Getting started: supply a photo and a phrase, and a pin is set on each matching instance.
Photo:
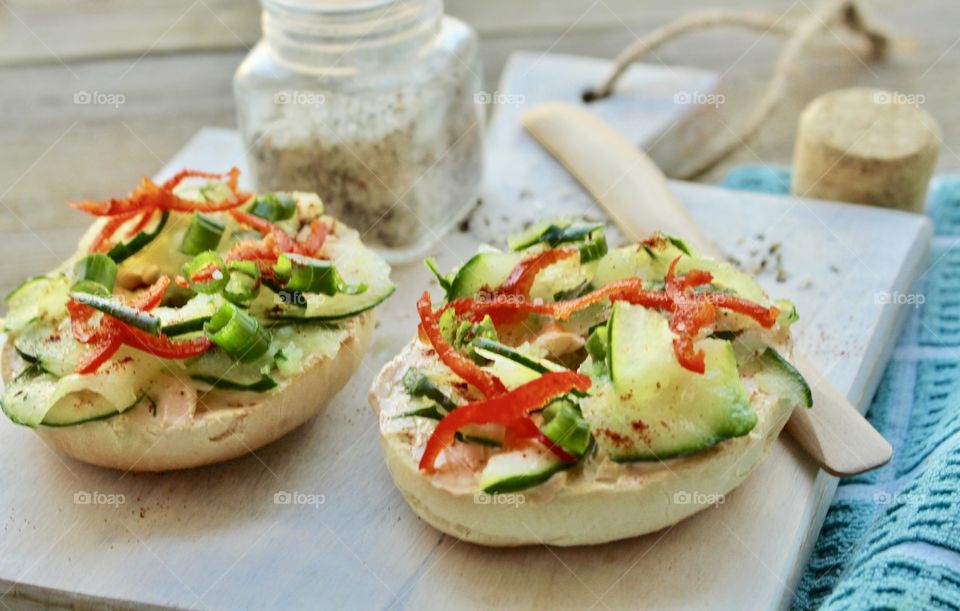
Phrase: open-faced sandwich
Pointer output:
(194, 324)
(568, 394)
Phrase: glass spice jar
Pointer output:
(372, 105)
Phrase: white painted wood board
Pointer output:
(215, 538)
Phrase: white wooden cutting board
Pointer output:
(216, 538)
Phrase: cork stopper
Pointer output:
(867, 146)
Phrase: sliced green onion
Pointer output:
(123, 250)
(111, 307)
(680, 245)
(95, 270)
(308, 275)
(432, 412)
(594, 249)
(417, 384)
(273, 206)
(237, 333)
(264, 384)
(554, 235)
(184, 326)
(206, 259)
(567, 428)
(204, 233)
(445, 282)
(244, 282)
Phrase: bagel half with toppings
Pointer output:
(567, 394)
(196, 323)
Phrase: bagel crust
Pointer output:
(226, 424)
(599, 502)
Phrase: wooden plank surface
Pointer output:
(213, 537)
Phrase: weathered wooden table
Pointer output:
(172, 62)
(162, 70)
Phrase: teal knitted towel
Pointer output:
(891, 539)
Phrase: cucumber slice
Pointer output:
(490, 435)
(72, 398)
(26, 398)
(190, 317)
(26, 401)
(216, 368)
(776, 376)
(519, 469)
(122, 251)
(51, 347)
(264, 384)
(726, 277)
(511, 367)
(531, 236)
(357, 265)
(40, 297)
(74, 410)
(538, 365)
(183, 327)
(485, 270)
(652, 408)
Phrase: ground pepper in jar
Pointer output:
(378, 114)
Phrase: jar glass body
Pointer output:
(385, 127)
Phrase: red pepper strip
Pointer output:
(114, 333)
(106, 346)
(80, 315)
(523, 429)
(162, 346)
(151, 297)
(469, 371)
(150, 196)
(521, 278)
(310, 246)
(283, 241)
(630, 290)
(142, 223)
(316, 236)
(169, 201)
(205, 273)
(180, 176)
(504, 409)
(102, 242)
(263, 254)
(690, 315)
(766, 317)
(248, 250)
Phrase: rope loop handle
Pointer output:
(846, 13)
